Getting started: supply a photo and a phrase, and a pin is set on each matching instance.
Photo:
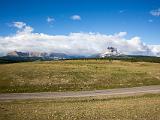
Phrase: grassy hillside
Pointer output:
(145, 107)
(76, 75)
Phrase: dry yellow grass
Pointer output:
(145, 107)
(76, 75)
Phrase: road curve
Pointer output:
(108, 92)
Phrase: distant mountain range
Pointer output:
(42, 55)
(110, 51)
(35, 54)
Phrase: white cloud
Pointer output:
(74, 43)
(22, 28)
(155, 12)
(155, 50)
(50, 19)
(121, 34)
(19, 25)
(76, 17)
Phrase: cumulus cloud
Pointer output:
(155, 12)
(121, 34)
(22, 27)
(76, 17)
(50, 19)
(19, 25)
(74, 43)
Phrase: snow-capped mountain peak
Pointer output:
(110, 51)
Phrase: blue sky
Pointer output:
(80, 26)
(102, 16)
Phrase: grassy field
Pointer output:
(146, 107)
(73, 75)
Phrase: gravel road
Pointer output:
(108, 92)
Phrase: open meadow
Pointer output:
(145, 107)
(75, 75)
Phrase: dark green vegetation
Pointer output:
(73, 75)
(13, 59)
(138, 59)
(146, 107)
(10, 59)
